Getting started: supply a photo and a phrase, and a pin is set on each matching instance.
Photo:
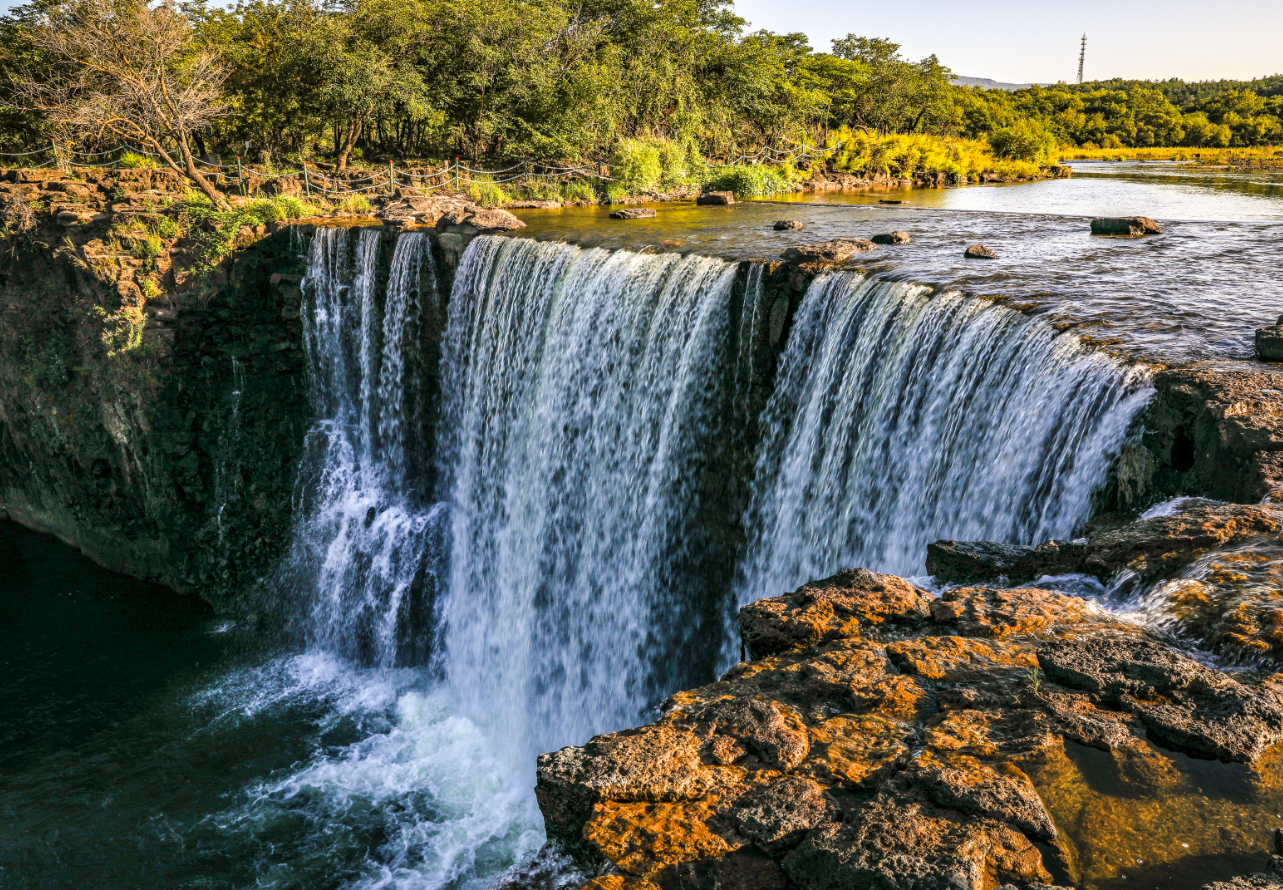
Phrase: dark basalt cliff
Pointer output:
(159, 439)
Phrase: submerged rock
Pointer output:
(716, 198)
(782, 225)
(892, 238)
(633, 213)
(979, 252)
(836, 251)
(1125, 225)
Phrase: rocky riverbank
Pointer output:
(879, 736)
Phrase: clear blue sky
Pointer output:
(1037, 41)
(1034, 41)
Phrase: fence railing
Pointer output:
(454, 174)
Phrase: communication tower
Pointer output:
(1082, 54)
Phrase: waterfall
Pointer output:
(364, 551)
(902, 415)
(587, 398)
(524, 513)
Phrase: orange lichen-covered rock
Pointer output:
(877, 747)
(983, 612)
(643, 838)
(832, 609)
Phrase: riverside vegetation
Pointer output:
(661, 94)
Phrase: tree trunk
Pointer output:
(191, 172)
(196, 176)
(349, 142)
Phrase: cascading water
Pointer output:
(901, 416)
(363, 550)
(587, 398)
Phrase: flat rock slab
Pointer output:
(1125, 225)
(892, 238)
(979, 252)
(716, 198)
(633, 213)
(836, 251)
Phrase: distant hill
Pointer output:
(989, 84)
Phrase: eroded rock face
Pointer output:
(882, 738)
(838, 250)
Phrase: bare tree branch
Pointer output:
(135, 72)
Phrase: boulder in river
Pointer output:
(836, 251)
(633, 213)
(716, 198)
(782, 225)
(979, 252)
(892, 238)
(1125, 225)
(1269, 343)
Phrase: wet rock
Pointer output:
(716, 198)
(966, 562)
(901, 840)
(979, 252)
(892, 238)
(1269, 343)
(1125, 225)
(782, 225)
(1181, 702)
(633, 213)
(836, 251)
(983, 612)
(831, 609)
(644, 838)
(655, 763)
(1154, 548)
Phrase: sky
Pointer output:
(1037, 42)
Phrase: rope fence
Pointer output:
(454, 174)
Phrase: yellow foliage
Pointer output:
(903, 154)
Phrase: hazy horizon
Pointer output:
(1007, 41)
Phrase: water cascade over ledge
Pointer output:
(547, 491)
(901, 416)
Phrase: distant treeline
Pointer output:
(348, 79)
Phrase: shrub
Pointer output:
(278, 209)
(166, 227)
(579, 191)
(354, 204)
(149, 247)
(635, 163)
(485, 192)
(1025, 140)
(614, 193)
(748, 181)
(134, 161)
(672, 162)
(536, 187)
